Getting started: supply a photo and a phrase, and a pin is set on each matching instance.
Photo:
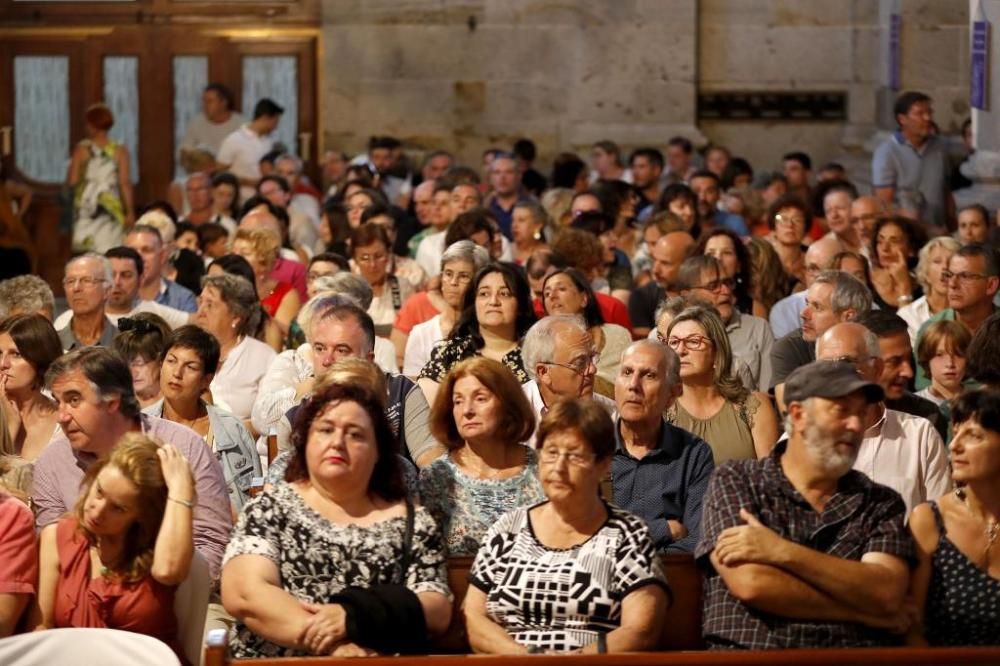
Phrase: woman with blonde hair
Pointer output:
(482, 416)
(932, 263)
(529, 222)
(115, 562)
(260, 247)
(714, 404)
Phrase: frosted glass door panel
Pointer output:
(275, 77)
(121, 94)
(41, 116)
(190, 79)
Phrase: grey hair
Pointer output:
(467, 251)
(673, 361)
(26, 293)
(288, 157)
(318, 306)
(673, 306)
(924, 261)
(99, 258)
(871, 344)
(347, 284)
(539, 345)
(849, 293)
(240, 296)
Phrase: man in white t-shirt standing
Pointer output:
(242, 150)
(208, 129)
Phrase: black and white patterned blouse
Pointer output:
(451, 351)
(561, 599)
(317, 558)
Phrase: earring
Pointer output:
(538, 235)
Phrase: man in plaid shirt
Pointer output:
(798, 549)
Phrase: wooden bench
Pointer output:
(681, 642)
(813, 657)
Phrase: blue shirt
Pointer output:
(667, 484)
(786, 315)
(730, 221)
(176, 296)
(505, 217)
(919, 176)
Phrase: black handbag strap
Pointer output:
(407, 542)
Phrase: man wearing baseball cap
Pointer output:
(799, 549)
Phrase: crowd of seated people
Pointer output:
(321, 392)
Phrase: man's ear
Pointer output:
(850, 314)
(993, 284)
(541, 370)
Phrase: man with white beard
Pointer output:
(799, 549)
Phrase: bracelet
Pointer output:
(186, 503)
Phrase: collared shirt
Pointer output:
(861, 517)
(752, 342)
(60, 469)
(242, 151)
(538, 406)
(175, 318)
(786, 315)
(177, 297)
(789, 353)
(919, 176)
(668, 483)
(905, 453)
(911, 403)
(70, 342)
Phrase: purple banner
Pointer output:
(895, 61)
(979, 62)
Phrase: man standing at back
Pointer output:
(242, 150)
(910, 169)
(208, 129)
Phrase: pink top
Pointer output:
(18, 547)
(144, 607)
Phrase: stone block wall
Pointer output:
(468, 74)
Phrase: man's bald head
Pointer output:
(261, 218)
(819, 255)
(668, 254)
(850, 341)
(865, 212)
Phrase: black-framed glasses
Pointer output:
(964, 276)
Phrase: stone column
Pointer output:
(983, 168)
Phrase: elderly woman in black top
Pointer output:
(518, 601)
(496, 314)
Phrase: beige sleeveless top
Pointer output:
(727, 432)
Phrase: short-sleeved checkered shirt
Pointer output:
(861, 517)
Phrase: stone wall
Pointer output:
(468, 74)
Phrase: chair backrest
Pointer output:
(191, 606)
(107, 647)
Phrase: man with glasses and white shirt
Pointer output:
(561, 358)
(87, 283)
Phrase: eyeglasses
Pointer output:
(552, 456)
(312, 276)
(693, 343)
(371, 258)
(790, 219)
(579, 366)
(85, 282)
(964, 276)
(715, 286)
